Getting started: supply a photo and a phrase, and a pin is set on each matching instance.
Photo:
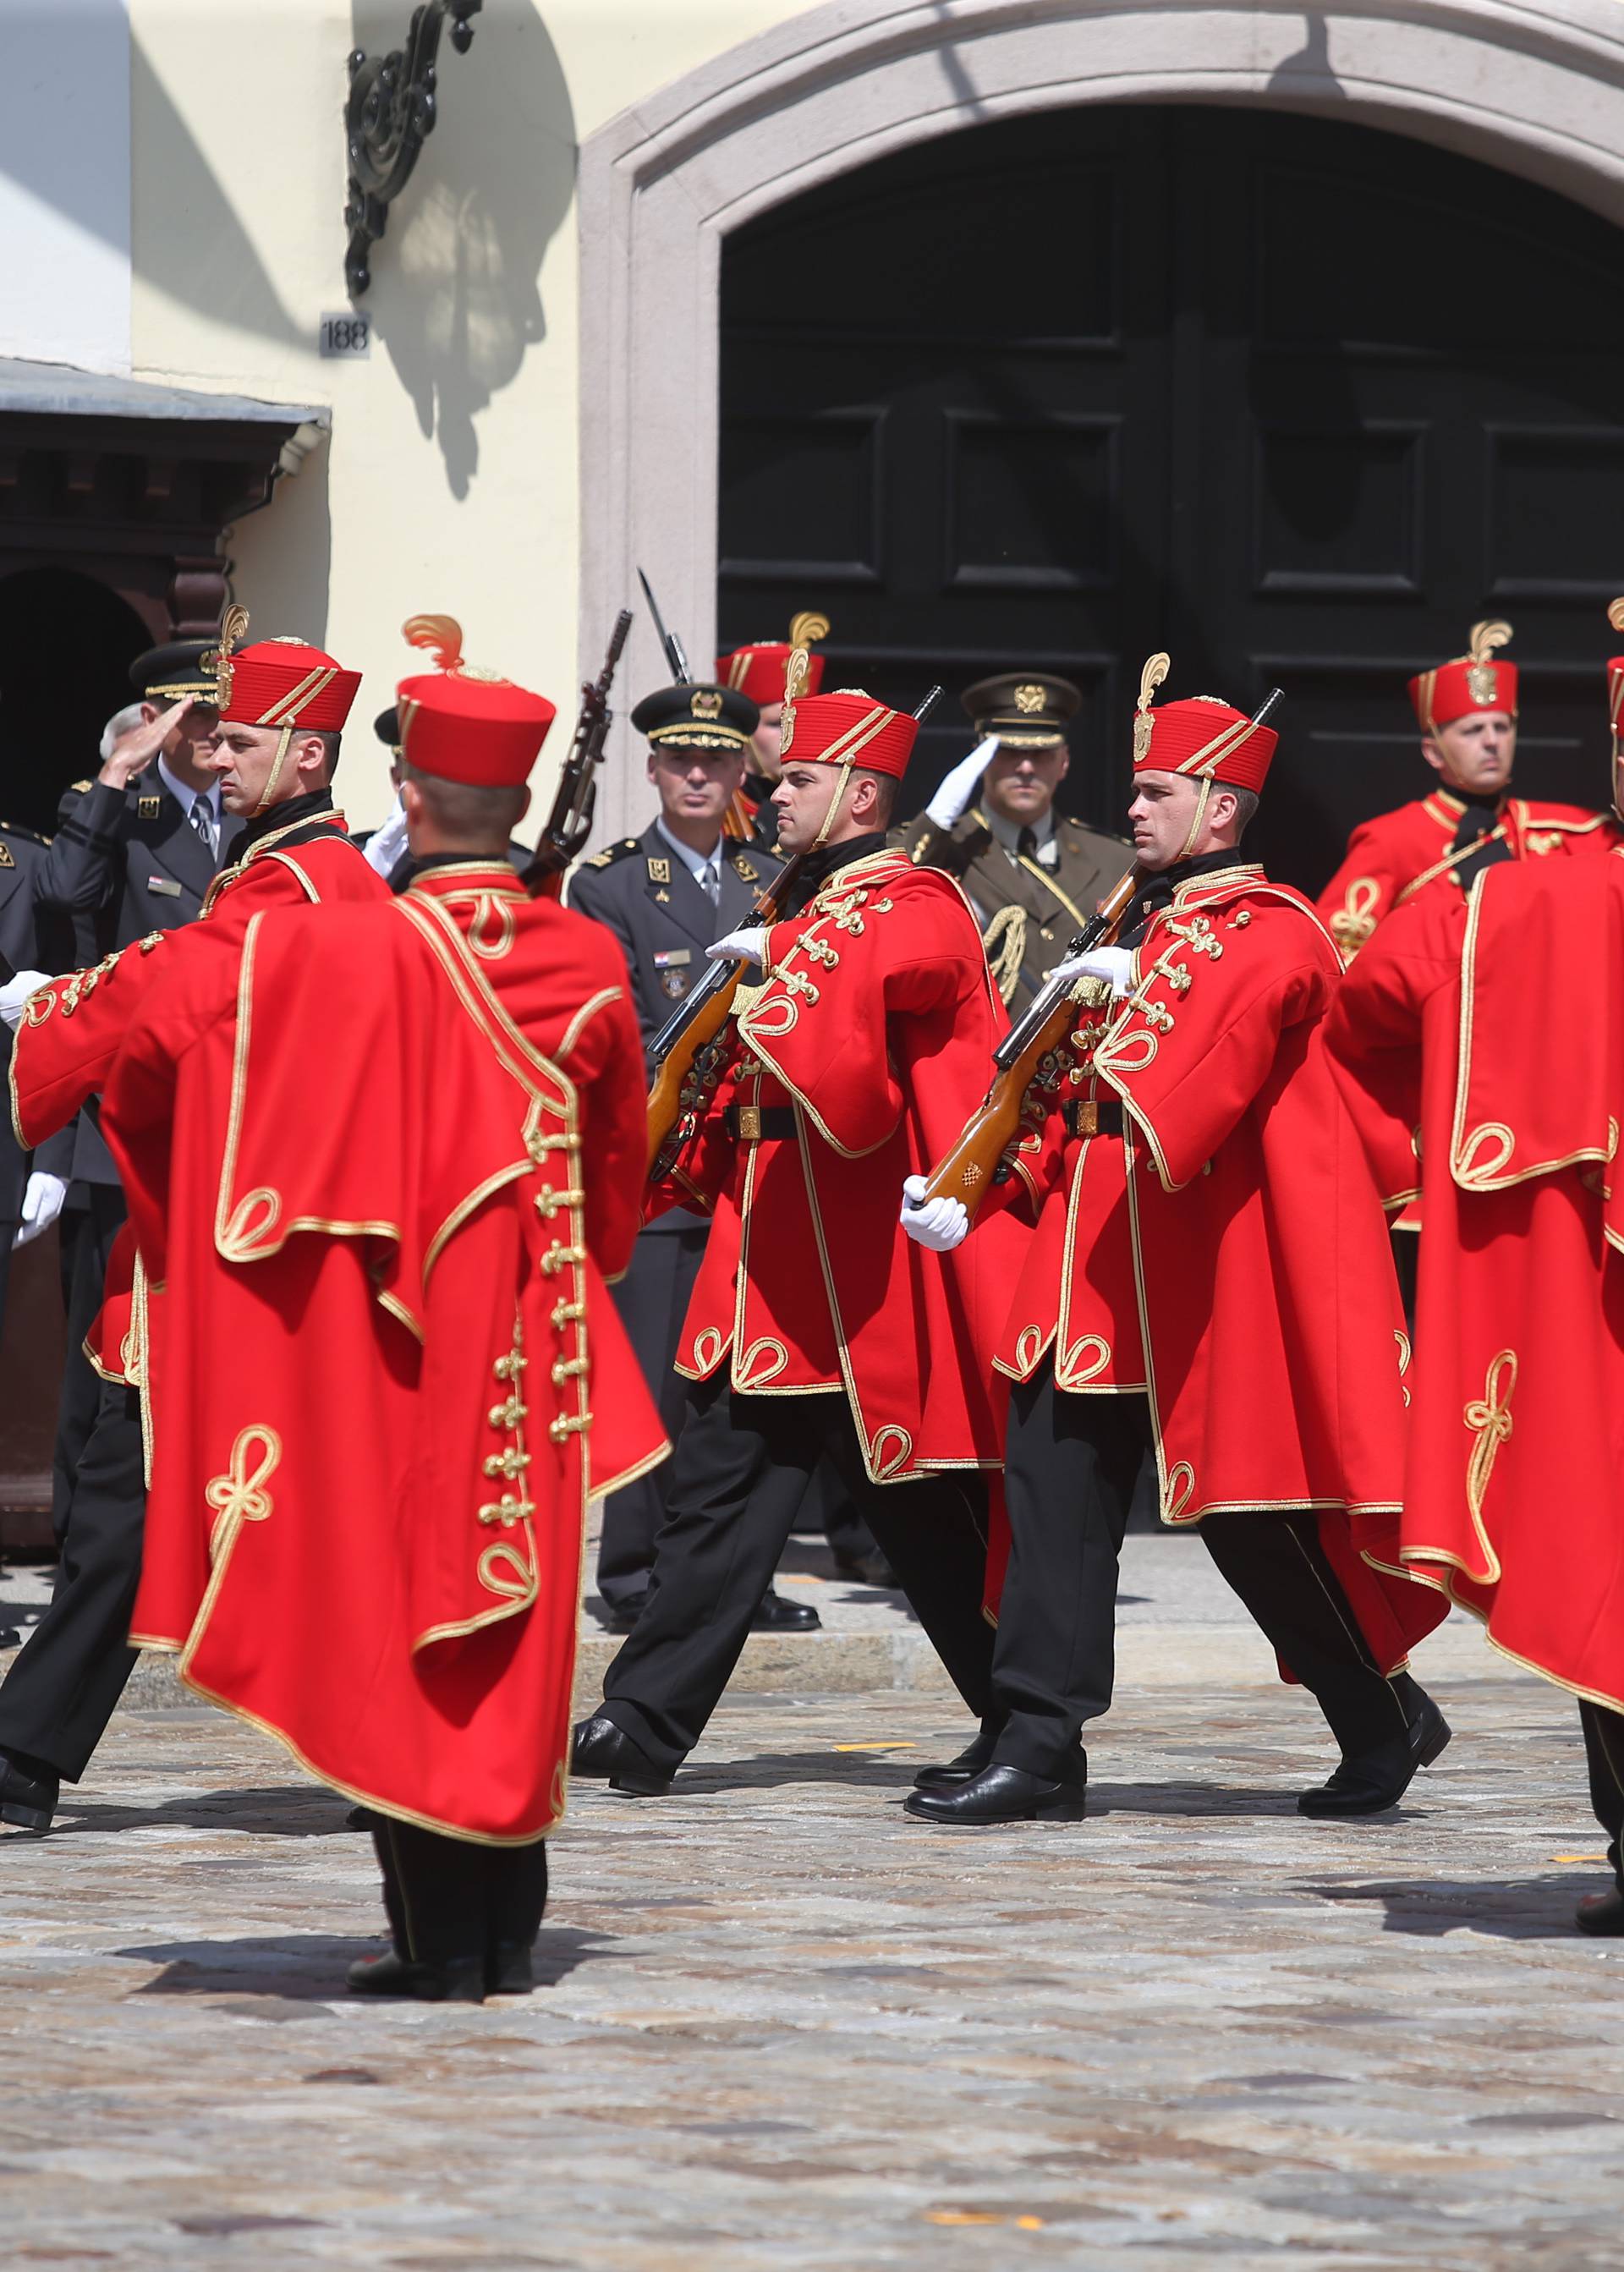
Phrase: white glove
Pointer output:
(746, 946)
(16, 991)
(938, 1224)
(385, 845)
(1113, 966)
(42, 1205)
(960, 786)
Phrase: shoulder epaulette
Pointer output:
(614, 852)
(77, 789)
(27, 835)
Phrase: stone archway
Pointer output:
(1534, 86)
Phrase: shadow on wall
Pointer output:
(455, 296)
(282, 557)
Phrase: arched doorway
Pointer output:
(1293, 397)
(66, 644)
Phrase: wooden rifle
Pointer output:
(691, 1028)
(976, 1161)
(569, 824)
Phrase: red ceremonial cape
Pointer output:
(358, 1194)
(876, 1020)
(1502, 1034)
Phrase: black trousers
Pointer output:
(86, 1232)
(60, 1693)
(1070, 1473)
(741, 1468)
(1603, 1752)
(447, 1898)
(653, 1300)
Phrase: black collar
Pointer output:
(1158, 891)
(315, 804)
(819, 866)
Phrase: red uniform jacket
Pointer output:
(375, 1213)
(1226, 1253)
(1501, 1030)
(1391, 858)
(72, 1028)
(877, 1020)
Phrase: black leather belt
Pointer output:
(1101, 1118)
(753, 1123)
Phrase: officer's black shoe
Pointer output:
(460, 1981)
(510, 1968)
(870, 1569)
(1602, 1915)
(602, 1750)
(621, 1616)
(949, 1774)
(1377, 1780)
(775, 1615)
(28, 1799)
(1002, 1794)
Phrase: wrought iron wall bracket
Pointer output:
(394, 102)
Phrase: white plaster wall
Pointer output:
(65, 182)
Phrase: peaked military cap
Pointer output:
(164, 674)
(697, 717)
(1026, 709)
(386, 726)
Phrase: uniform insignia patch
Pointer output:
(659, 871)
(661, 898)
(675, 984)
(614, 852)
(6, 860)
(744, 870)
(148, 808)
(162, 885)
(80, 787)
(672, 958)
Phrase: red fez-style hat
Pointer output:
(847, 728)
(760, 670)
(1473, 681)
(278, 681)
(1200, 735)
(466, 725)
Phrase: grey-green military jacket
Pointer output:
(1027, 910)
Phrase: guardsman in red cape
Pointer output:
(759, 672)
(1210, 1276)
(379, 1408)
(282, 705)
(814, 1326)
(1467, 710)
(1496, 1029)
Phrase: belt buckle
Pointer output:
(1088, 1119)
(750, 1124)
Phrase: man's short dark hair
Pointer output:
(462, 809)
(330, 744)
(1245, 808)
(888, 787)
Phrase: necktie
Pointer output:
(712, 882)
(203, 821)
(1026, 844)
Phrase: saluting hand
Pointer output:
(132, 753)
(957, 788)
(938, 1224)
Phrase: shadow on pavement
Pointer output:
(1527, 1909)
(298, 1810)
(309, 1968)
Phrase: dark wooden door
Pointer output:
(1296, 400)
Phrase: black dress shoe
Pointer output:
(1378, 1779)
(621, 1616)
(775, 1615)
(949, 1774)
(604, 1751)
(28, 1800)
(510, 1968)
(1602, 1915)
(1002, 1794)
(871, 1569)
(461, 1981)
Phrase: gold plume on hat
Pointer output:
(1150, 677)
(233, 624)
(795, 678)
(440, 635)
(806, 627)
(1485, 638)
(1615, 613)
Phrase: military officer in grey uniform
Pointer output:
(666, 894)
(134, 852)
(33, 936)
(1033, 875)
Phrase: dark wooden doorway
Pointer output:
(1293, 399)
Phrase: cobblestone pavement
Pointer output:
(781, 2026)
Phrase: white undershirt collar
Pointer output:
(695, 862)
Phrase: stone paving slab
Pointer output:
(783, 2026)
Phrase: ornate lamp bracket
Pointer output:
(393, 105)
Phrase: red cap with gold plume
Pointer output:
(1473, 681)
(847, 728)
(1200, 735)
(762, 669)
(278, 681)
(463, 724)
